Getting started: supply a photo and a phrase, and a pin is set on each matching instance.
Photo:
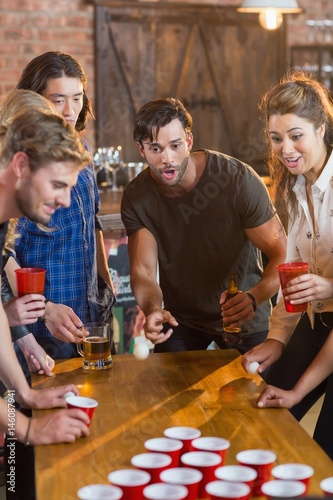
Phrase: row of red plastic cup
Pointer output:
(216, 489)
(201, 460)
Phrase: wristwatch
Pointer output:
(254, 302)
(42, 318)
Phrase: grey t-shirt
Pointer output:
(201, 238)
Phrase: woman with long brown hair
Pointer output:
(299, 346)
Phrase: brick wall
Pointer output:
(31, 27)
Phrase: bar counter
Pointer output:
(110, 201)
(139, 399)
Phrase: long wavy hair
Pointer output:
(298, 94)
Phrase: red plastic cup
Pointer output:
(206, 462)
(211, 443)
(185, 476)
(87, 405)
(30, 280)
(222, 489)
(294, 472)
(287, 272)
(100, 492)
(260, 460)
(164, 491)
(237, 474)
(184, 434)
(153, 463)
(132, 482)
(280, 488)
(171, 447)
(326, 486)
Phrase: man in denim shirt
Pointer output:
(78, 286)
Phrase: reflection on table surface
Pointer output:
(139, 399)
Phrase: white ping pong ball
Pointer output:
(68, 394)
(253, 367)
(141, 351)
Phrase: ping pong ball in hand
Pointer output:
(253, 367)
(68, 394)
(141, 351)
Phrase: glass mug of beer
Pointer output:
(96, 348)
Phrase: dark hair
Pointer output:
(158, 113)
(50, 65)
(305, 97)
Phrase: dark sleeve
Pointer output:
(17, 332)
(253, 201)
(98, 224)
(129, 215)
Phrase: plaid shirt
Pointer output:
(68, 253)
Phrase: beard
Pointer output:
(180, 169)
(28, 207)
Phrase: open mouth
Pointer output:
(292, 162)
(169, 173)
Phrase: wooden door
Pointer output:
(214, 59)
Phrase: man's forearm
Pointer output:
(148, 294)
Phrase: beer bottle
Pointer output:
(230, 332)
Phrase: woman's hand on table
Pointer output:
(154, 326)
(265, 354)
(63, 426)
(44, 399)
(37, 360)
(273, 397)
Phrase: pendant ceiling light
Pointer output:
(270, 11)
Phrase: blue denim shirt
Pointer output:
(68, 253)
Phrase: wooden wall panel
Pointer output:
(217, 61)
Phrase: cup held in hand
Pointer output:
(87, 405)
(287, 272)
(30, 280)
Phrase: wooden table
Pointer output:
(139, 399)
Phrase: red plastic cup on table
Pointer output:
(30, 280)
(326, 486)
(260, 460)
(294, 472)
(184, 434)
(132, 482)
(217, 490)
(171, 447)
(287, 272)
(164, 491)
(153, 463)
(280, 488)
(213, 444)
(100, 492)
(87, 405)
(185, 476)
(206, 462)
(237, 474)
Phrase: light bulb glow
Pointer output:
(270, 19)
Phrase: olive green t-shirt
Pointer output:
(201, 239)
